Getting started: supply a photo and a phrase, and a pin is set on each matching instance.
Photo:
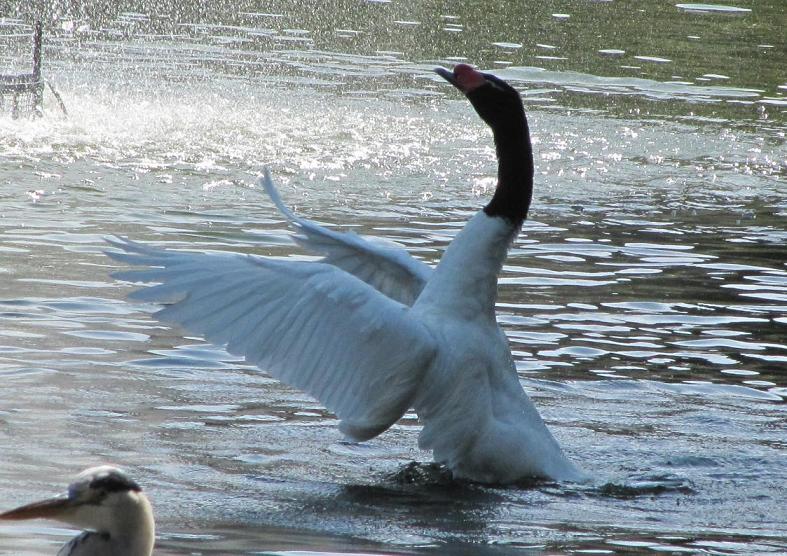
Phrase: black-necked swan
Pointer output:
(109, 504)
(371, 332)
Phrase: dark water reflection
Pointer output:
(645, 300)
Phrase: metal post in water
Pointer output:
(38, 82)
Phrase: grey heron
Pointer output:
(110, 505)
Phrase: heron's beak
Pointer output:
(52, 508)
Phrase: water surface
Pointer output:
(645, 300)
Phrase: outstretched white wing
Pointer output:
(388, 268)
(309, 324)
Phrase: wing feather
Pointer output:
(387, 267)
(309, 324)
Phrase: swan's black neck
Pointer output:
(500, 106)
(514, 172)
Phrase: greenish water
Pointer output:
(661, 40)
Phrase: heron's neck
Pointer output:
(135, 534)
(140, 543)
(514, 173)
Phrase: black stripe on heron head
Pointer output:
(114, 482)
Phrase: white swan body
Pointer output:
(371, 332)
(367, 357)
(476, 417)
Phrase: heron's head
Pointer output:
(103, 499)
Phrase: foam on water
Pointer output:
(713, 8)
(627, 85)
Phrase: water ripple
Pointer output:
(644, 300)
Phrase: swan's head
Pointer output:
(497, 102)
(102, 499)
